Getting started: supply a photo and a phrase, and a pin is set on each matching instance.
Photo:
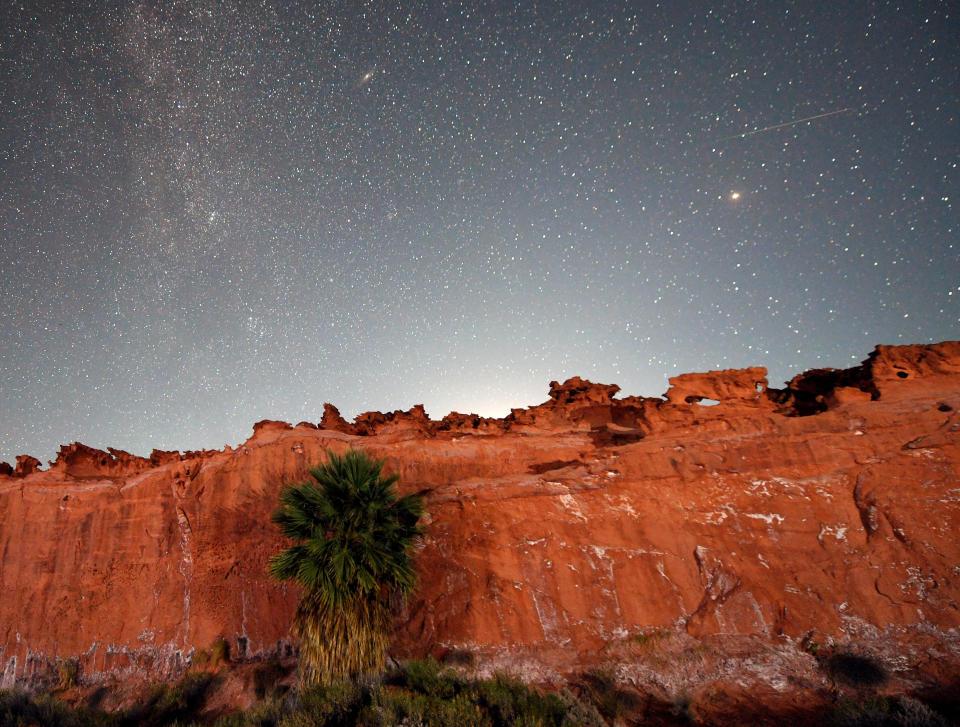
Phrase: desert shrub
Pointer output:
(216, 655)
(326, 704)
(18, 709)
(168, 703)
(96, 697)
(68, 673)
(201, 659)
(267, 714)
(164, 703)
(459, 710)
(855, 669)
(580, 713)
(885, 712)
(381, 712)
(429, 678)
(266, 676)
(194, 689)
(423, 694)
(14, 705)
(391, 706)
(511, 702)
(48, 710)
(914, 713)
(599, 686)
(649, 639)
(220, 651)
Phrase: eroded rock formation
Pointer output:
(586, 530)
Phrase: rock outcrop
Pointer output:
(739, 384)
(688, 547)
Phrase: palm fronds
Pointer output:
(354, 553)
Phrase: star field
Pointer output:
(215, 213)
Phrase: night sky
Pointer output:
(219, 212)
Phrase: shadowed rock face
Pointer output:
(559, 537)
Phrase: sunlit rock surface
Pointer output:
(688, 547)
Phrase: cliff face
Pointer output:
(662, 537)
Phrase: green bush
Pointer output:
(422, 694)
(511, 702)
(326, 704)
(392, 706)
(429, 678)
(460, 710)
(18, 709)
(268, 714)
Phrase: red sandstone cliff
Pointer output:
(685, 545)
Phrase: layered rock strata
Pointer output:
(656, 536)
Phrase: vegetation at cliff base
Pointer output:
(164, 705)
(354, 538)
(426, 694)
(422, 693)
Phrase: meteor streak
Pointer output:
(785, 124)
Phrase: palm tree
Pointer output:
(353, 557)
